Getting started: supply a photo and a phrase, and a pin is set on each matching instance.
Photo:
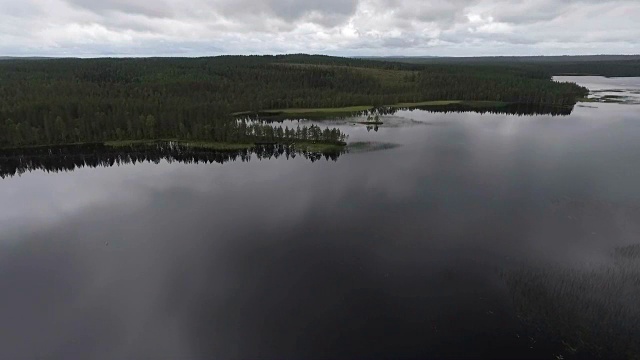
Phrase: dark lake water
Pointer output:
(384, 254)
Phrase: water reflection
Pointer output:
(71, 157)
(520, 109)
(391, 254)
(509, 109)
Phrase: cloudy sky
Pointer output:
(335, 27)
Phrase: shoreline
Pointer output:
(361, 108)
(309, 146)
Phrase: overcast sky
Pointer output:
(335, 27)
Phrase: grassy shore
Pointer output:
(350, 110)
(128, 143)
(225, 146)
(300, 111)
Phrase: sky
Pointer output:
(90, 28)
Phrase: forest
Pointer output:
(73, 101)
(601, 65)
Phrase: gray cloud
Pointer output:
(443, 12)
(157, 8)
(339, 27)
(295, 9)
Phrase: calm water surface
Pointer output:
(626, 90)
(393, 253)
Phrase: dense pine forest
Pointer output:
(602, 65)
(63, 101)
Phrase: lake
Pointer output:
(406, 252)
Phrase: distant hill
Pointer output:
(27, 58)
(500, 59)
(604, 65)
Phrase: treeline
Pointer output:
(603, 65)
(101, 129)
(495, 84)
(70, 157)
(60, 101)
(626, 68)
(256, 132)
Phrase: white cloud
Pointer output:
(341, 27)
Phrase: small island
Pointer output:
(373, 119)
